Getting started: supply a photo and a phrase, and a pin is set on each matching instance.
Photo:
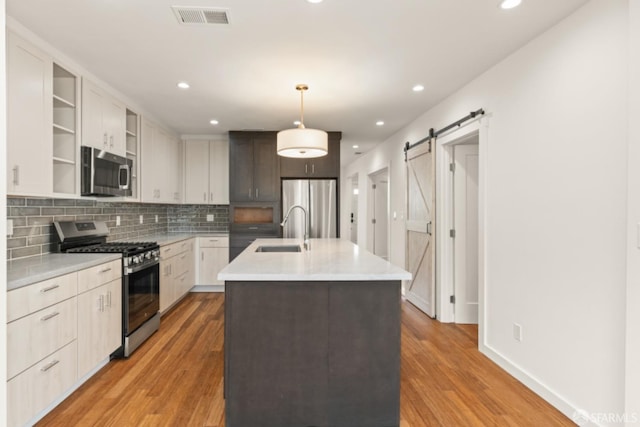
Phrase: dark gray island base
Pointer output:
(312, 353)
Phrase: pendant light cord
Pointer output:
(301, 125)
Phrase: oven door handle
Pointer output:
(135, 269)
(127, 171)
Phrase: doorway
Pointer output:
(465, 219)
(378, 241)
(353, 219)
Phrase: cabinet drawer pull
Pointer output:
(253, 228)
(168, 249)
(50, 288)
(105, 270)
(49, 316)
(50, 365)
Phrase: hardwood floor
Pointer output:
(175, 378)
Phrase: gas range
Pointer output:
(134, 254)
(140, 276)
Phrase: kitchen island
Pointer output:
(312, 338)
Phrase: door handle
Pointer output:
(429, 228)
(250, 193)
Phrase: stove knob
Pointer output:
(136, 259)
(148, 255)
(129, 260)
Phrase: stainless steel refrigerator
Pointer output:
(319, 198)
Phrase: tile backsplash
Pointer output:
(33, 232)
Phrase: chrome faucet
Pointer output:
(306, 223)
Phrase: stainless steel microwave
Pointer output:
(104, 174)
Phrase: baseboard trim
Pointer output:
(537, 386)
(208, 288)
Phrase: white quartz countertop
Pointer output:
(327, 259)
(26, 271)
(164, 239)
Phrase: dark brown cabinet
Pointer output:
(253, 167)
(320, 167)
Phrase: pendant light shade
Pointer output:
(302, 142)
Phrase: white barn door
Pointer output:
(420, 227)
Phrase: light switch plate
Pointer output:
(9, 227)
(209, 217)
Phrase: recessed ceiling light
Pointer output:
(213, 122)
(296, 123)
(510, 4)
(418, 88)
(355, 146)
(183, 85)
(379, 123)
(314, 1)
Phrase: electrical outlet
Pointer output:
(209, 217)
(117, 220)
(141, 219)
(156, 218)
(517, 332)
(9, 227)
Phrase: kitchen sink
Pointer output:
(279, 248)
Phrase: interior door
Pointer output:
(465, 210)
(420, 225)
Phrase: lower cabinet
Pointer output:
(99, 325)
(58, 330)
(214, 256)
(177, 272)
(34, 389)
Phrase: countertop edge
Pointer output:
(83, 261)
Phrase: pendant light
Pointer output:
(300, 141)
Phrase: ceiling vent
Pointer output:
(188, 15)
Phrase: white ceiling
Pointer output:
(360, 57)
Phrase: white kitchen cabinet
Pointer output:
(206, 172)
(99, 324)
(133, 151)
(161, 165)
(29, 119)
(103, 120)
(33, 390)
(42, 326)
(177, 265)
(214, 256)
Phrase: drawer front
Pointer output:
(174, 249)
(214, 242)
(256, 229)
(99, 275)
(36, 388)
(184, 262)
(29, 299)
(37, 335)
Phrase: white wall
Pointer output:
(555, 207)
(633, 244)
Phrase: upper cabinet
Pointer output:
(206, 172)
(253, 167)
(133, 151)
(42, 117)
(103, 120)
(319, 167)
(161, 166)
